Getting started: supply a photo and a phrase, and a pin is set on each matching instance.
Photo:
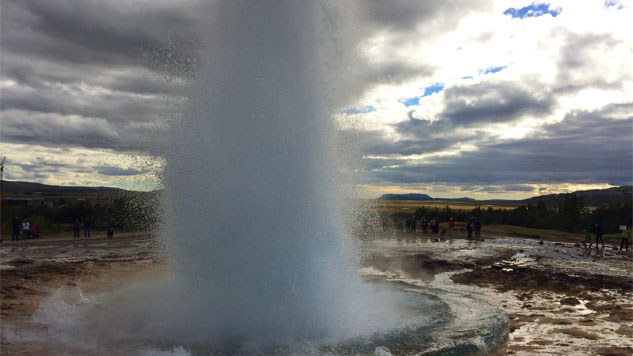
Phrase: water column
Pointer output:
(251, 207)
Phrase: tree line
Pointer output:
(569, 214)
(130, 212)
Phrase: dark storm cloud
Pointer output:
(586, 147)
(58, 131)
(113, 33)
(403, 16)
(93, 74)
(495, 102)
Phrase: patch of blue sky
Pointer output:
(534, 10)
(611, 3)
(435, 88)
(361, 110)
(494, 69)
(468, 77)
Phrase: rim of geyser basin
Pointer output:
(430, 336)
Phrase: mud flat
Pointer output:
(560, 298)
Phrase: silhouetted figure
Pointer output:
(86, 228)
(399, 228)
(469, 228)
(598, 232)
(414, 222)
(425, 226)
(624, 240)
(408, 223)
(76, 226)
(16, 225)
(436, 225)
(384, 225)
(110, 232)
(477, 229)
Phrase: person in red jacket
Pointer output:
(76, 227)
(451, 226)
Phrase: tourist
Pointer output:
(16, 225)
(587, 238)
(110, 232)
(598, 232)
(626, 233)
(76, 226)
(399, 228)
(451, 227)
(384, 224)
(413, 223)
(408, 223)
(425, 226)
(469, 228)
(477, 229)
(35, 233)
(86, 228)
(436, 226)
(26, 229)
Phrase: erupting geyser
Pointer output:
(252, 207)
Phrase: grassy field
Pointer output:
(403, 206)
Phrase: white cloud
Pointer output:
(67, 86)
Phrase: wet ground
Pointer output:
(559, 298)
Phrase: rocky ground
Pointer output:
(561, 298)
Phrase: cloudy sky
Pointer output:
(478, 98)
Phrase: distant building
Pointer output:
(26, 201)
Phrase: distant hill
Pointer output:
(14, 188)
(593, 197)
(410, 196)
(415, 196)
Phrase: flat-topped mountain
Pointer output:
(416, 196)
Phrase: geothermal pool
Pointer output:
(93, 316)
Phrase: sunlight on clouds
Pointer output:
(479, 192)
(78, 166)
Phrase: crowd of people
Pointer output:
(432, 226)
(24, 230)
